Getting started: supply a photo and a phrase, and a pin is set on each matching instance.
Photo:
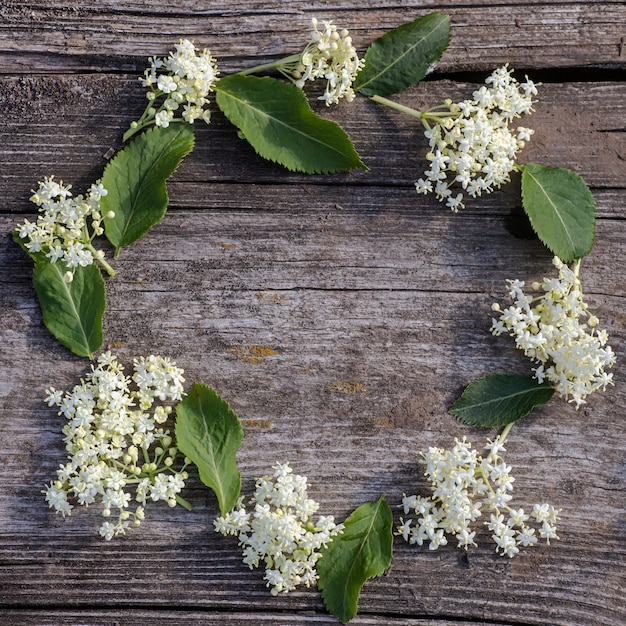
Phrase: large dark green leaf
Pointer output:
(209, 433)
(362, 551)
(499, 399)
(135, 181)
(561, 209)
(402, 56)
(275, 118)
(72, 312)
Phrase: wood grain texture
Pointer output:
(67, 126)
(340, 316)
(209, 618)
(71, 36)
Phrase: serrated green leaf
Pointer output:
(276, 120)
(135, 181)
(72, 312)
(209, 433)
(499, 399)
(362, 551)
(561, 209)
(402, 56)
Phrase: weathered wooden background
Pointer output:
(339, 315)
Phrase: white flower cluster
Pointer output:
(570, 354)
(66, 225)
(472, 145)
(329, 55)
(462, 481)
(184, 79)
(115, 439)
(280, 531)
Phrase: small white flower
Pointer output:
(526, 537)
(163, 118)
(423, 186)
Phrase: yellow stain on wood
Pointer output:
(225, 245)
(115, 344)
(271, 297)
(262, 424)
(252, 353)
(382, 421)
(347, 387)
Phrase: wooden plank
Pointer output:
(207, 618)
(339, 315)
(346, 250)
(325, 300)
(62, 37)
(67, 125)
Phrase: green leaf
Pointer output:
(135, 181)
(561, 209)
(402, 56)
(275, 118)
(209, 433)
(499, 399)
(362, 551)
(72, 312)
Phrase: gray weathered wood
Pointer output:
(66, 126)
(77, 36)
(340, 316)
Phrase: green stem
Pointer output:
(399, 107)
(576, 267)
(505, 432)
(146, 119)
(135, 128)
(184, 503)
(130, 132)
(146, 457)
(270, 66)
(109, 270)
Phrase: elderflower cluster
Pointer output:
(329, 55)
(570, 353)
(185, 79)
(279, 530)
(116, 441)
(473, 145)
(66, 225)
(463, 483)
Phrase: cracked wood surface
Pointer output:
(339, 315)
